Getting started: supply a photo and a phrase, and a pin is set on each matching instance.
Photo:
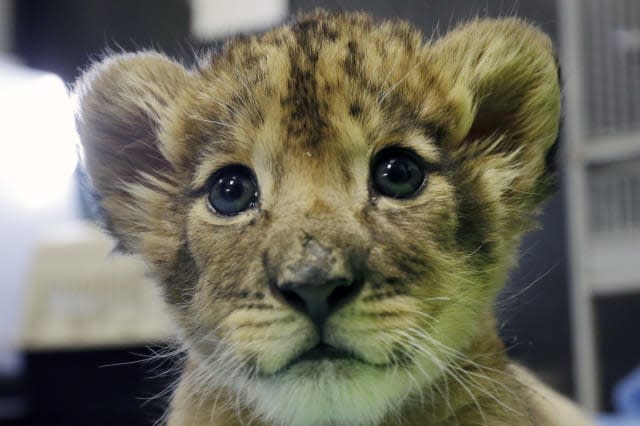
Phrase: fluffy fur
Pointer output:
(306, 106)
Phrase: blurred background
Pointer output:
(78, 324)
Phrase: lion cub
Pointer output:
(330, 209)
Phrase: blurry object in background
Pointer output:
(103, 387)
(38, 138)
(6, 27)
(626, 395)
(628, 40)
(616, 316)
(617, 421)
(626, 399)
(601, 58)
(63, 36)
(614, 224)
(37, 161)
(212, 20)
(612, 68)
(81, 295)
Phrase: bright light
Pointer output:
(37, 138)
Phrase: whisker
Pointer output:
(205, 120)
(393, 87)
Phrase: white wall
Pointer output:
(37, 159)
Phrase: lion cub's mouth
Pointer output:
(323, 351)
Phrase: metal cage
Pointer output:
(600, 54)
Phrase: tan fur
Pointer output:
(306, 107)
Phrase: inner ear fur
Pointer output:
(123, 103)
(505, 86)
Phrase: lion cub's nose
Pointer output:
(318, 283)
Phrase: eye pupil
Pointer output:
(398, 173)
(233, 190)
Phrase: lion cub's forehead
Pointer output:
(325, 86)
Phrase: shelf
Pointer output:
(613, 265)
(610, 148)
(82, 295)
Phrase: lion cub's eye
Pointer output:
(398, 173)
(232, 190)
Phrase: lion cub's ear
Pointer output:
(123, 104)
(507, 100)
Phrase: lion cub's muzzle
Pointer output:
(317, 282)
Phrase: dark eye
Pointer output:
(398, 173)
(233, 189)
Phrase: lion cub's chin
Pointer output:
(329, 392)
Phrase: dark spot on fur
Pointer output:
(258, 324)
(371, 87)
(183, 274)
(355, 109)
(475, 226)
(237, 100)
(328, 33)
(434, 131)
(306, 25)
(270, 271)
(269, 90)
(353, 61)
(385, 294)
(257, 306)
(251, 61)
(347, 174)
(242, 38)
(394, 281)
(402, 114)
(405, 33)
(266, 216)
(377, 285)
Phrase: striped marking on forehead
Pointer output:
(304, 103)
(339, 66)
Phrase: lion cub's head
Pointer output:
(330, 207)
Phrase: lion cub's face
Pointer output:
(330, 207)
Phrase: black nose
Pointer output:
(317, 284)
(318, 300)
